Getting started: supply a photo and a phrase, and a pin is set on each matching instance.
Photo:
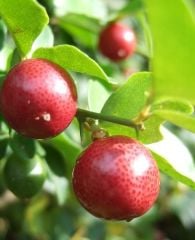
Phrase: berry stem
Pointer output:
(83, 114)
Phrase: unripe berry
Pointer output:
(38, 98)
(24, 177)
(116, 178)
(117, 41)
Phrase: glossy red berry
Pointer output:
(117, 41)
(38, 98)
(116, 178)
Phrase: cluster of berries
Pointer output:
(116, 177)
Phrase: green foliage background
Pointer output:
(66, 32)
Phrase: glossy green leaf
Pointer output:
(71, 58)
(25, 21)
(84, 29)
(4, 129)
(178, 118)
(167, 109)
(97, 95)
(175, 111)
(131, 7)
(173, 104)
(130, 98)
(55, 160)
(3, 147)
(2, 34)
(39, 149)
(14, 59)
(173, 33)
(127, 102)
(169, 170)
(69, 150)
(23, 147)
(151, 133)
(131, 94)
(174, 158)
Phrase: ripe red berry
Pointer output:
(38, 98)
(116, 178)
(117, 41)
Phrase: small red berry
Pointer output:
(116, 178)
(38, 98)
(117, 41)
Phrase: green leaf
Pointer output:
(69, 150)
(169, 170)
(130, 98)
(178, 118)
(55, 160)
(151, 133)
(173, 33)
(131, 7)
(23, 147)
(127, 102)
(71, 58)
(97, 95)
(174, 158)
(131, 94)
(173, 104)
(2, 34)
(84, 29)
(25, 20)
(175, 111)
(3, 147)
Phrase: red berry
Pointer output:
(117, 41)
(38, 98)
(116, 178)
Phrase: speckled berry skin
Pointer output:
(117, 41)
(116, 178)
(38, 98)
